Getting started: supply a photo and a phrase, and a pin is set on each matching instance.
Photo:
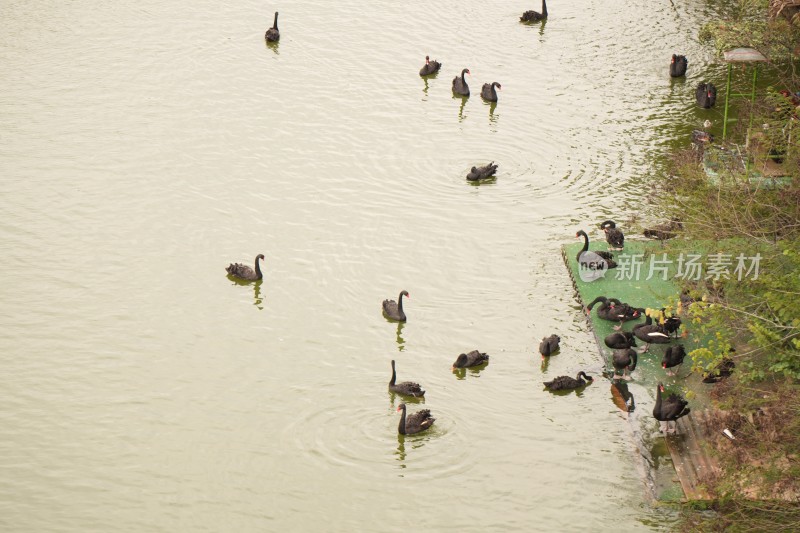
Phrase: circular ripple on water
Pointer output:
(366, 438)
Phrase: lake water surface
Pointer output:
(146, 145)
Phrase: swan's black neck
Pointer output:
(394, 376)
(585, 241)
(544, 8)
(400, 303)
(462, 76)
(582, 374)
(657, 407)
(258, 267)
(402, 427)
(598, 299)
(275, 23)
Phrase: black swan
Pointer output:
(460, 84)
(473, 358)
(677, 66)
(534, 16)
(566, 382)
(624, 361)
(614, 236)
(620, 340)
(706, 95)
(241, 271)
(482, 173)
(419, 421)
(673, 358)
(614, 310)
(409, 388)
(394, 310)
(430, 67)
(669, 410)
(606, 256)
(624, 312)
(651, 333)
(549, 345)
(273, 34)
(723, 370)
(672, 324)
(665, 230)
(488, 93)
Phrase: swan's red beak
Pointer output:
(663, 365)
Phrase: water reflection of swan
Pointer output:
(257, 294)
(401, 343)
(492, 117)
(622, 396)
(401, 450)
(461, 107)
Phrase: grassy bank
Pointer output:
(753, 320)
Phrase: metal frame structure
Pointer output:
(740, 55)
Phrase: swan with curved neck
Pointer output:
(567, 382)
(606, 256)
(419, 421)
(460, 86)
(394, 310)
(238, 270)
(273, 35)
(620, 340)
(624, 361)
(614, 236)
(473, 358)
(489, 93)
(409, 388)
(534, 16)
(669, 410)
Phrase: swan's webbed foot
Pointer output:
(617, 328)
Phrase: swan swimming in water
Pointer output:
(534, 16)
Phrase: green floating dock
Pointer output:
(646, 277)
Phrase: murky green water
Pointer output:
(146, 145)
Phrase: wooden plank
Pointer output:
(690, 457)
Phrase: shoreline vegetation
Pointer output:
(753, 323)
